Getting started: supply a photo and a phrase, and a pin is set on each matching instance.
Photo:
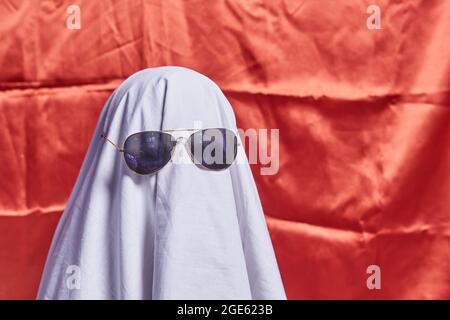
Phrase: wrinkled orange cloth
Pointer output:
(364, 119)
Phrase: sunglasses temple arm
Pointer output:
(116, 146)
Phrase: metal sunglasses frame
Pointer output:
(184, 140)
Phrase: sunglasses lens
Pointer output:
(214, 149)
(147, 152)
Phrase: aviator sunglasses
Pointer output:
(148, 152)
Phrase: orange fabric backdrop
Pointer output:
(363, 114)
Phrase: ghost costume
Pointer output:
(183, 233)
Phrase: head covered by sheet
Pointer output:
(183, 233)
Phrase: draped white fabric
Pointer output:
(183, 233)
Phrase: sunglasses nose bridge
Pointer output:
(178, 155)
(182, 140)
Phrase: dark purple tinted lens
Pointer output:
(147, 152)
(214, 149)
